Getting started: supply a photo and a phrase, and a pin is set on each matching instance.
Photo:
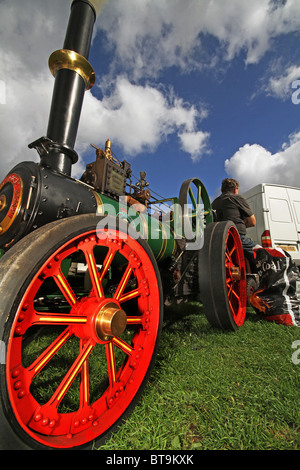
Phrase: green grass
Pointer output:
(214, 390)
(209, 389)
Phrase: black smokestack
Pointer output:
(73, 75)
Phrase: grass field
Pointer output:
(212, 390)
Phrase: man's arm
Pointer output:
(249, 218)
(250, 221)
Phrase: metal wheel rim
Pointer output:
(236, 284)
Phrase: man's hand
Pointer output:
(250, 221)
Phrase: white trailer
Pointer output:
(277, 212)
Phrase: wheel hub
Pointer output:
(110, 321)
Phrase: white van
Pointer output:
(277, 212)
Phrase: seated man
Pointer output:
(231, 206)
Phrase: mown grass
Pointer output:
(213, 390)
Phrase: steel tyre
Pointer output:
(222, 276)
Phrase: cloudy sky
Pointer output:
(184, 88)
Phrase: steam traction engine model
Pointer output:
(84, 277)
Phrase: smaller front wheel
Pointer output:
(222, 276)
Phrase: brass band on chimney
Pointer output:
(71, 60)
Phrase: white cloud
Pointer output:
(281, 85)
(137, 118)
(23, 118)
(27, 37)
(253, 164)
(137, 28)
(195, 143)
(147, 36)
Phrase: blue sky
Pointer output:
(184, 88)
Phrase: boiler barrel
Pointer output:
(158, 234)
(32, 196)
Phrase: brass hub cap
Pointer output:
(110, 321)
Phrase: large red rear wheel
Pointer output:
(222, 276)
(81, 319)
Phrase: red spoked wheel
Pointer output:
(222, 276)
(82, 323)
